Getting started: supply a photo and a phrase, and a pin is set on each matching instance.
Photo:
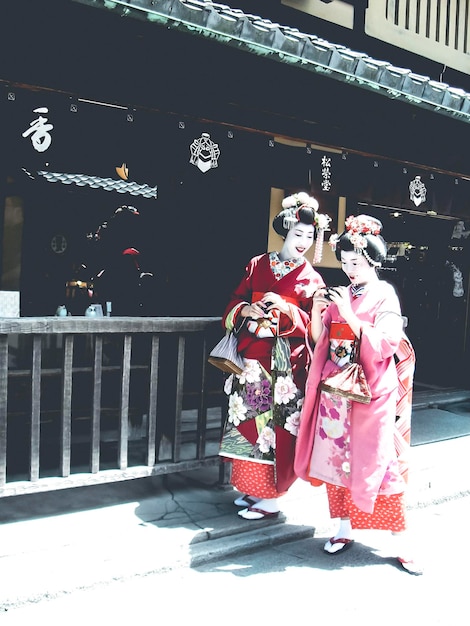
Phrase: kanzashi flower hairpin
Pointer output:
(363, 225)
(358, 226)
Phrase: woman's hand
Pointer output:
(255, 310)
(320, 302)
(272, 300)
(340, 296)
(268, 302)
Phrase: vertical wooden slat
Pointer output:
(433, 22)
(153, 390)
(401, 22)
(66, 425)
(413, 16)
(35, 409)
(392, 10)
(202, 410)
(452, 20)
(124, 412)
(423, 19)
(3, 407)
(179, 398)
(441, 17)
(224, 468)
(462, 26)
(96, 409)
(466, 47)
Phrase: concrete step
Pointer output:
(268, 534)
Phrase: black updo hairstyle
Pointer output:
(360, 229)
(299, 207)
(305, 215)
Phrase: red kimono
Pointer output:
(266, 399)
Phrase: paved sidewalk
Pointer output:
(58, 542)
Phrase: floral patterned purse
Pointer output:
(349, 381)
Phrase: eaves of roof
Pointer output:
(288, 45)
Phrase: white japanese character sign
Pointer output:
(39, 131)
(326, 173)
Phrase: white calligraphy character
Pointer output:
(39, 131)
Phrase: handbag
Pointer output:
(225, 355)
(350, 381)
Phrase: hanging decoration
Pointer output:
(458, 290)
(459, 231)
(417, 191)
(204, 153)
(326, 173)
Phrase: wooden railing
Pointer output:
(94, 400)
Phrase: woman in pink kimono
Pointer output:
(358, 449)
(270, 310)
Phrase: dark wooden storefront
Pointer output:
(141, 96)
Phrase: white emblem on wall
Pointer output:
(417, 191)
(204, 153)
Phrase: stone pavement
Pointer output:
(58, 542)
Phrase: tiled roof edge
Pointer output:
(263, 37)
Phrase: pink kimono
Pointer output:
(362, 447)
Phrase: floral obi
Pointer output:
(342, 341)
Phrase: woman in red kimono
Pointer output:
(270, 310)
(359, 449)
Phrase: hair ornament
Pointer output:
(358, 226)
(370, 259)
(291, 218)
(333, 241)
(322, 223)
(300, 199)
(363, 225)
(293, 203)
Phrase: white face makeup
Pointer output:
(357, 268)
(299, 239)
